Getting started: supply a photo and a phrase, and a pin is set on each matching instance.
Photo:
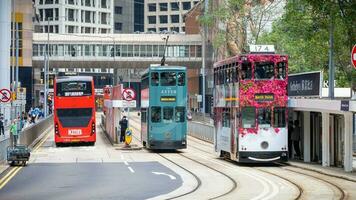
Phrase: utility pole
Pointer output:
(17, 65)
(46, 67)
(205, 30)
(13, 61)
(331, 57)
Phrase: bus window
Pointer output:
(154, 79)
(226, 118)
(180, 114)
(279, 117)
(156, 114)
(248, 117)
(168, 79)
(281, 70)
(264, 117)
(246, 71)
(181, 79)
(167, 115)
(264, 70)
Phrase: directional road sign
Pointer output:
(5, 95)
(129, 94)
(353, 56)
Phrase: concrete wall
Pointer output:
(201, 131)
(126, 18)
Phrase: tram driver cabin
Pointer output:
(250, 107)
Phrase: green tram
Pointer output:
(163, 107)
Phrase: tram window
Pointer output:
(235, 77)
(264, 117)
(281, 70)
(264, 70)
(154, 79)
(167, 115)
(279, 117)
(168, 79)
(248, 117)
(156, 114)
(246, 71)
(226, 118)
(180, 114)
(181, 78)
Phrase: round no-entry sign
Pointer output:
(353, 56)
(129, 94)
(5, 95)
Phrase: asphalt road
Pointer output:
(90, 181)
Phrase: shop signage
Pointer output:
(305, 84)
(264, 97)
(345, 106)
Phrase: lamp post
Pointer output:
(46, 67)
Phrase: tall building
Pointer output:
(166, 15)
(123, 16)
(74, 16)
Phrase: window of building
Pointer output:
(186, 5)
(264, 117)
(246, 71)
(281, 70)
(152, 19)
(70, 29)
(248, 117)
(154, 79)
(118, 26)
(49, 14)
(118, 10)
(87, 2)
(279, 117)
(71, 2)
(174, 18)
(70, 15)
(168, 115)
(168, 79)
(226, 118)
(163, 29)
(175, 6)
(151, 30)
(156, 114)
(104, 4)
(163, 19)
(181, 78)
(49, 2)
(163, 6)
(175, 29)
(180, 114)
(264, 70)
(152, 7)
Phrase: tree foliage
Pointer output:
(303, 33)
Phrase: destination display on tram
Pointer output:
(168, 99)
(264, 97)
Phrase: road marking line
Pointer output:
(8, 174)
(10, 177)
(132, 171)
(162, 173)
(40, 144)
(126, 163)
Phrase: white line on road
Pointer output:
(126, 163)
(132, 171)
(161, 173)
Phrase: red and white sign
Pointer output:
(129, 94)
(5, 95)
(353, 56)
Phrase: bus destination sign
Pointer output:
(264, 97)
(168, 99)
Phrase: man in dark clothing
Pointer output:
(123, 126)
(2, 131)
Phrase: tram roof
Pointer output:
(163, 68)
(61, 79)
(237, 57)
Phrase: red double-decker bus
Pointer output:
(74, 110)
(250, 106)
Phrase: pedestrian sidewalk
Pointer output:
(330, 171)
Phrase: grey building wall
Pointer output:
(125, 17)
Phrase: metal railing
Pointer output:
(201, 131)
(202, 117)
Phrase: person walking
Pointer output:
(123, 126)
(13, 131)
(296, 138)
(2, 129)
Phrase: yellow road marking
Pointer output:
(4, 180)
(10, 177)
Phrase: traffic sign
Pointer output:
(353, 56)
(5, 95)
(128, 136)
(129, 94)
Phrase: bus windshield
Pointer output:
(74, 88)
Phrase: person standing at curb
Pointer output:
(2, 129)
(123, 126)
(13, 131)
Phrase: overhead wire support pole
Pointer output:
(205, 30)
(331, 58)
(17, 65)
